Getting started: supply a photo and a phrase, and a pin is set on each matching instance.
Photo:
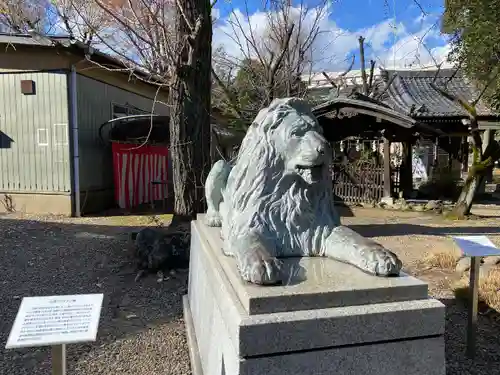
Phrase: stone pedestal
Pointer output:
(329, 318)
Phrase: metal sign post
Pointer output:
(473, 299)
(59, 359)
(56, 321)
(475, 247)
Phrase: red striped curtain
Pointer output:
(140, 173)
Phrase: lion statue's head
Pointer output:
(281, 175)
(284, 144)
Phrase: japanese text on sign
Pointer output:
(56, 320)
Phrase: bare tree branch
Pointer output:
(272, 73)
(334, 85)
(349, 68)
(372, 70)
(362, 60)
(387, 86)
(417, 3)
(228, 94)
(23, 15)
(270, 59)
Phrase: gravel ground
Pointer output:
(141, 329)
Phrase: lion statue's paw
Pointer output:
(258, 267)
(382, 262)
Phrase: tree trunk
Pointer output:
(190, 111)
(476, 175)
(463, 204)
(387, 169)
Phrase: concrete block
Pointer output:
(312, 283)
(411, 357)
(341, 326)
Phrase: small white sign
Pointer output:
(55, 320)
(476, 246)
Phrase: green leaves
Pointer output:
(475, 37)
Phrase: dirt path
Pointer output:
(412, 235)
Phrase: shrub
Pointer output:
(442, 184)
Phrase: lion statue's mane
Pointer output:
(261, 194)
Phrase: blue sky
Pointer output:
(397, 32)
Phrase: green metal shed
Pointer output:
(52, 102)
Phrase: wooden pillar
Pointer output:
(406, 170)
(216, 147)
(465, 154)
(387, 168)
(488, 137)
(450, 155)
(435, 159)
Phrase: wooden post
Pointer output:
(406, 170)
(450, 156)
(216, 148)
(387, 168)
(435, 160)
(489, 136)
(465, 155)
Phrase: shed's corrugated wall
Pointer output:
(95, 100)
(34, 151)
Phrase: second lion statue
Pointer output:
(276, 199)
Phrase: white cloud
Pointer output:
(421, 18)
(215, 13)
(331, 46)
(389, 43)
(412, 49)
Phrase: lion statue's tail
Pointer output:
(214, 186)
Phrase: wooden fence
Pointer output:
(359, 179)
(367, 186)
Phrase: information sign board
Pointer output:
(476, 246)
(56, 320)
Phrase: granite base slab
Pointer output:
(312, 283)
(388, 337)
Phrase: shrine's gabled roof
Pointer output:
(344, 108)
(363, 107)
(411, 93)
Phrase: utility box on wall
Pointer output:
(28, 87)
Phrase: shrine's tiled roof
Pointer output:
(411, 93)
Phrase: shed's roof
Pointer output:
(76, 47)
(411, 92)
